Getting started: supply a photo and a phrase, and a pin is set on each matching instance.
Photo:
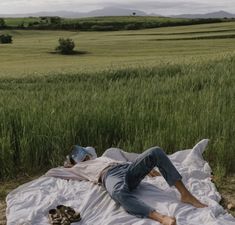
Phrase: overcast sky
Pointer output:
(163, 7)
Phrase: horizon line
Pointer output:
(54, 11)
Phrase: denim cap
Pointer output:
(91, 151)
(78, 153)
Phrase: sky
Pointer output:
(162, 7)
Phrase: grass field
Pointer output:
(133, 89)
(30, 52)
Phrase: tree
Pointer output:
(55, 20)
(2, 23)
(66, 46)
(21, 25)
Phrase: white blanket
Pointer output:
(30, 203)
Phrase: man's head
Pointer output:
(79, 154)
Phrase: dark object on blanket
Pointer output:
(55, 218)
(63, 215)
(69, 213)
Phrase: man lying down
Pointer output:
(121, 178)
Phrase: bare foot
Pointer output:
(167, 220)
(190, 199)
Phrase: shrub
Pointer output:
(55, 20)
(5, 38)
(2, 23)
(21, 25)
(66, 46)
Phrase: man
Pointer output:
(121, 178)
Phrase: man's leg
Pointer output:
(156, 157)
(187, 197)
(136, 207)
(116, 187)
(145, 162)
(122, 179)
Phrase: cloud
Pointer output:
(164, 7)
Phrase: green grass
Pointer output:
(30, 52)
(128, 91)
(13, 22)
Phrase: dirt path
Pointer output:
(226, 189)
(2, 213)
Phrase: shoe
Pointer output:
(69, 213)
(65, 221)
(54, 217)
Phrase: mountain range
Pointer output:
(218, 14)
(116, 11)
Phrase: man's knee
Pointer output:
(157, 152)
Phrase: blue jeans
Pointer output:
(120, 180)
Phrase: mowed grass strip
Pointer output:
(32, 51)
(172, 106)
(200, 37)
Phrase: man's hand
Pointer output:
(154, 173)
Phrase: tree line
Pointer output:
(58, 23)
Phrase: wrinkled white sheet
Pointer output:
(29, 203)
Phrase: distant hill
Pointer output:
(219, 14)
(116, 11)
(107, 11)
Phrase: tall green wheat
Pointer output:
(170, 106)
